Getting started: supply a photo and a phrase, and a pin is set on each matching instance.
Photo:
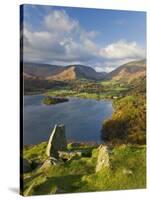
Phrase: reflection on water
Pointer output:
(83, 118)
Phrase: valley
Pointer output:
(123, 132)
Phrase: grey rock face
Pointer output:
(57, 141)
(50, 161)
(103, 158)
(69, 155)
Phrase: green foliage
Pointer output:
(35, 152)
(138, 86)
(128, 122)
(78, 175)
(48, 100)
(124, 159)
(125, 132)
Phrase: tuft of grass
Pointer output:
(78, 174)
(126, 158)
(35, 152)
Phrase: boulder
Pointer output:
(127, 172)
(57, 141)
(68, 155)
(103, 160)
(50, 161)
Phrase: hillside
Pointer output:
(129, 71)
(62, 73)
(124, 134)
(41, 77)
(128, 122)
(34, 70)
(126, 72)
(127, 170)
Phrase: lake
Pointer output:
(83, 119)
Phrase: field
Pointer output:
(91, 90)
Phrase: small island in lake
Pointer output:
(48, 100)
(83, 100)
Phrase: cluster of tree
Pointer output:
(86, 86)
(54, 100)
(31, 85)
(128, 122)
(138, 86)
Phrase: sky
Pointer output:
(102, 39)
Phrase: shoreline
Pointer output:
(82, 143)
(70, 96)
(72, 140)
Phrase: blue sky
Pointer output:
(102, 39)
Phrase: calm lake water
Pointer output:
(83, 118)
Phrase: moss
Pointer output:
(127, 157)
(78, 175)
(35, 152)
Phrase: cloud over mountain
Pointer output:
(61, 39)
(123, 49)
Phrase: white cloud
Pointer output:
(64, 41)
(60, 21)
(123, 49)
(109, 66)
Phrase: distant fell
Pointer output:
(129, 71)
(61, 73)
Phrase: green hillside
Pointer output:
(124, 134)
(127, 171)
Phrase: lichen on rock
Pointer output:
(103, 159)
(57, 141)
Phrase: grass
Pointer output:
(128, 162)
(108, 90)
(124, 158)
(115, 87)
(35, 152)
(78, 174)
(70, 93)
(86, 95)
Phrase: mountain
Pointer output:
(126, 72)
(61, 73)
(129, 71)
(73, 72)
(41, 71)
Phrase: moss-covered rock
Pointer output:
(103, 160)
(127, 171)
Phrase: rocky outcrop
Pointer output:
(103, 159)
(57, 141)
(50, 161)
(68, 155)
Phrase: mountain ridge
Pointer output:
(129, 71)
(125, 72)
(56, 72)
